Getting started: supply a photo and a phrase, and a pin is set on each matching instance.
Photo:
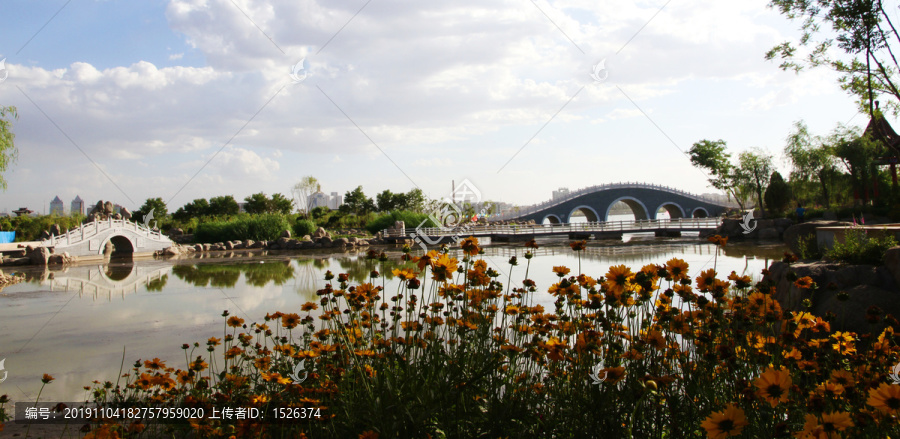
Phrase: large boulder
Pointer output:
(55, 230)
(341, 242)
(807, 231)
(39, 256)
(126, 214)
(286, 234)
(325, 241)
(866, 285)
(319, 233)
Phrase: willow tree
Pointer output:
(8, 152)
(862, 29)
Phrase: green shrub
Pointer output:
(304, 227)
(386, 220)
(858, 248)
(256, 227)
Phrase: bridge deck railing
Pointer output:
(526, 210)
(549, 229)
(89, 230)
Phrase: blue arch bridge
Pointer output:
(687, 212)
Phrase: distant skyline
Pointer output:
(183, 99)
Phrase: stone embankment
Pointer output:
(761, 229)
(318, 240)
(849, 292)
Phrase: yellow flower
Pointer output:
(470, 246)
(718, 240)
(886, 398)
(561, 271)
(290, 321)
(403, 274)
(618, 278)
(677, 268)
(773, 385)
(442, 269)
(828, 428)
(804, 283)
(725, 423)
(706, 280)
(235, 321)
(829, 388)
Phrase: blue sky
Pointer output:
(158, 94)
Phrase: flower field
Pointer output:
(456, 348)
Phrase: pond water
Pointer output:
(75, 323)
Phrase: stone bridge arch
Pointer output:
(637, 208)
(122, 245)
(589, 213)
(674, 209)
(551, 219)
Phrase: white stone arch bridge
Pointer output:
(91, 239)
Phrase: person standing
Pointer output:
(800, 212)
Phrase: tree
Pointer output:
(812, 158)
(8, 152)
(280, 204)
(302, 191)
(357, 202)
(256, 203)
(857, 154)
(223, 205)
(194, 209)
(778, 194)
(414, 200)
(862, 29)
(711, 156)
(388, 201)
(157, 205)
(754, 170)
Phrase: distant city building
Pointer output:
(56, 207)
(336, 201)
(77, 206)
(560, 193)
(23, 211)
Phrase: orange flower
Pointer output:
(886, 398)
(677, 268)
(47, 378)
(773, 385)
(725, 423)
(804, 283)
(443, 268)
(290, 321)
(470, 246)
(561, 270)
(578, 245)
(235, 321)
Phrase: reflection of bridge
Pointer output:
(644, 200)
(609, 229)
(91, 239)
(106, 280)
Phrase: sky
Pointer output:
(126, 100)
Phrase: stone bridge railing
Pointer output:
(527, 210)
(97, 228)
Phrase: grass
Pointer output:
(454, 348)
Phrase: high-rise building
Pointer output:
(336, 201)
(77, 206)
(56, 207)
(560, 193)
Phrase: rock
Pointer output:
(353, 240)
(867, 286)
(362, 242)
(126, 214)
(250, 244)
(325, 241)
(807, 230)
(319, 233)
(318, 245)
(45, 235)
(307, 244)
(39, 256)
(769, 233)
(198, 247)
(283, 241)
(306, 238)
(238, 245)
(207, 247)
(172, 251)
(286, 234)
(229, 245)
(55, 230)
(176, 232)
(340, 242)
(56, 260)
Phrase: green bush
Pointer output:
(386, 220)
(29, 228)
(256, 227)
(304, 227)
(859, 248)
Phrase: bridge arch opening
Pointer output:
(700, 213)
(590, 215)
(551, 219)
(672, 208)
(118, 272)
(118, 246)
(637, 208)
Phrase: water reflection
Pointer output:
(103, 280)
